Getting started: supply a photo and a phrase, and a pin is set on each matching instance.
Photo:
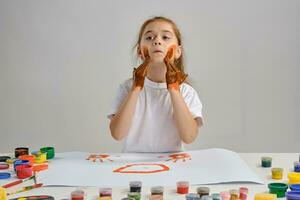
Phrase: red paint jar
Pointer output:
(182, 187)
(77, 195)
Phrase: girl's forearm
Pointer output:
(187, 126)
(121, 122)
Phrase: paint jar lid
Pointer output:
(135, 184)
(294, 176)
(203, 190)
(4, 175)
(277, 186)
(4, 166)
(157, 189)
(265, 196)
(4, 158)
(182, 184)
(295, 187)
(293, 195)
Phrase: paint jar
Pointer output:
(156, 197)
(135, 186)
(243, 193)
(192, 196)
(39, 157)
(206, 197)
(24, 171)
(266, 161)
(295, 187)
(182, 187)
(20, 162)
(105, 198)
(216, 196)
(105, 192)
(157, 190)
(3, 193)
(294, 177)
(278, 188)
(265, 196)
(4, 166)
(234, 194)
(77, 195)
(134, 195)
(4, 158)
(296, 166)
(292, 195)
(11, 161)
(225, 195)
(203, 191)
(50, 152)
(19, 151)
(277, 173)
(30, 158)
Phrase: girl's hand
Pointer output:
(140, 72)
(174, 76)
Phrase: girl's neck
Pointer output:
(157, 72)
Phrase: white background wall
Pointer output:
(61, 63)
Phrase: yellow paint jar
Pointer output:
(277, 173)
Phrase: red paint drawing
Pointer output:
(142, 168)
(179, 156)
(100, 157)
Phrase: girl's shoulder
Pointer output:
(186, 89)
(127, 84)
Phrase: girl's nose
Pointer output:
(156, 43)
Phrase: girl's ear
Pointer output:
(178, 52)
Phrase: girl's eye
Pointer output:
(166, 37)
(149, 38)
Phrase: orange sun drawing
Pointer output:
(142, 168)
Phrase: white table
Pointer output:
(283, 160)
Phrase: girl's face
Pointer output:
(158, 37)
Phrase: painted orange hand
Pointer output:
(179, 156)
(140, 72)
(100, 157)
(174, 76)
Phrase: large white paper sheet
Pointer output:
(208, 166)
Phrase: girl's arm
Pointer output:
(121, 122)
(187, 126)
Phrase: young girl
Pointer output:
(156, 111)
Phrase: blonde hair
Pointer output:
(178, 62)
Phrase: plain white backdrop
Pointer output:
(62, 61)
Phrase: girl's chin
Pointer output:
(157, 59)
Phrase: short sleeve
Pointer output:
(192, 100)
(122, 92)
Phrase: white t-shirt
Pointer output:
(153, 128)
